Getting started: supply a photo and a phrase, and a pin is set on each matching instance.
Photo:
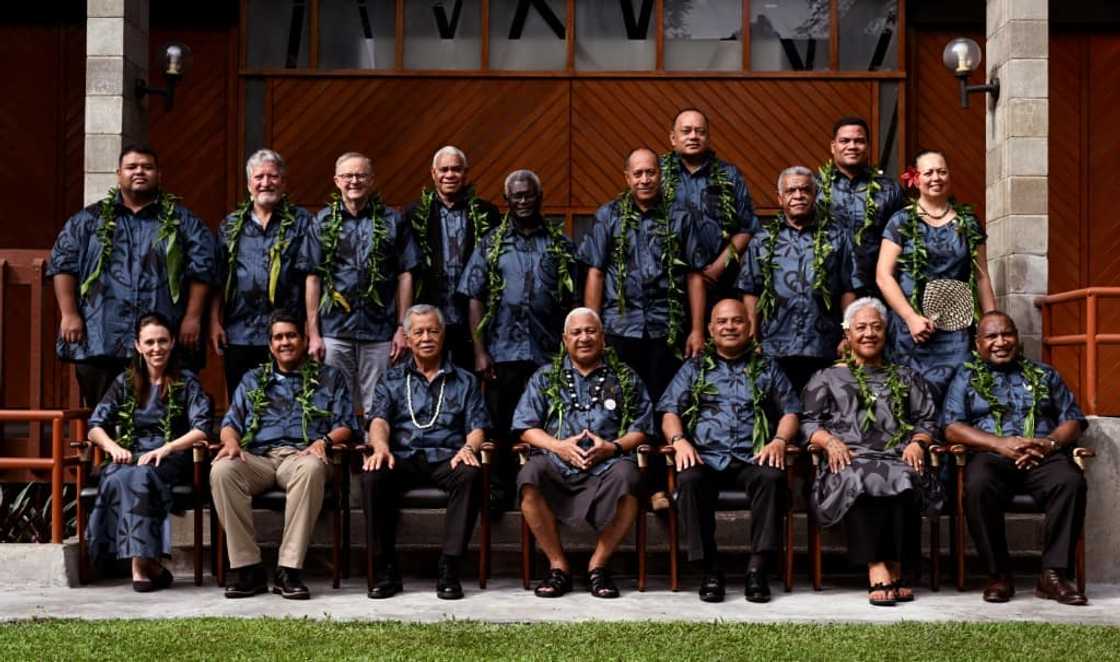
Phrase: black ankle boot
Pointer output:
(447, 585)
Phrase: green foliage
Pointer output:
(308, 410)
(258, 401)
(767, 300)
(627, 221)
(104, 233)
(126, 414)
(233, 243)
(671, 179)
(982, 382)
(329, 235)
(870, 208)
(172, 409)
(25, 513)
(168, 233)
(897, 390)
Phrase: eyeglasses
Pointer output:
(353, 176)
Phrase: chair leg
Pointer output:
(674, 552)
(935, 552)
(83, 547)
(815, 553)
(962, 541)
(215, 553)
(1079, 562)
(787, 562)
(369, 563)
(197, 541)
(641, 545)
(346, 533)
(221, 553)
(526, 554)
(336, 547)
(484, 528)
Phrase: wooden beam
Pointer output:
(398, 36)
(484, 63)
(746, 35)
(659, 26)
(313, 34)
(834, 35)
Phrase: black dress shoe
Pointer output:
(999, 589)
(288, 583)
(712, 589)
(447, 583)
(388, 584)
(251, 580)
(758, 587)
(1053, 586)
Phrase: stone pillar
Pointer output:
(116, 55)
(1017, 161)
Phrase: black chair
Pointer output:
(820, 463)
(1020, 503)
(528, 544)
(433, 498)
(336, 502)
(184, 497)
(733, 500)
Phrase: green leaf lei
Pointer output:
(670, 260)
(421, 216)
(822, 248)
(897, 391)
(495, 284)
(126, 413)
(555, 383)
(982, 383)
(870, 207)
(258, 399)
(671, 179)
(702, 387)
(168, 233)
(275, 251)
(916, 263)
(329, 237)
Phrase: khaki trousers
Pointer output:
(234, 484)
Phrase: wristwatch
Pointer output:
(1054, 445)
(675, 438)
(618, 450)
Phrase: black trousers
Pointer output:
(502, 395)
(883, 529)
(990, 481)
(240, 359)
(459, 346)
(697, 493)
(800, 368)
(382, 490)
(95, 376)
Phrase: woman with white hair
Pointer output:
(873, 420)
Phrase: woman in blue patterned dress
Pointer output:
(155, 413)
(933, 238)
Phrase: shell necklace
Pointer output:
(439, 401)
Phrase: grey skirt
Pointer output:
(581, 498)
(874, 474)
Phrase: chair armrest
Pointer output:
(522, 450)
(936, 453)
(486, 452)
(200, 451)
(643, 451)
(816, 454)
(1081, 455)
(792, 451)
(959, 453)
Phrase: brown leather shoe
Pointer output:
(1052, 586)
(999, 589)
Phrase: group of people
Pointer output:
(681, 320)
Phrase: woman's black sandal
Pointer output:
(602, 586)
(885, 588)
(897, 587)
(556, 584)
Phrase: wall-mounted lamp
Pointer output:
(175, 62)
(962, 56)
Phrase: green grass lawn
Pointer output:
(232, 639)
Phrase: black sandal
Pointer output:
(602, 586)
(897, 587)
(555, 585)
(885, 588)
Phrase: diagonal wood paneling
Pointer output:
(762, 126)
(935, 119)
(502, 125)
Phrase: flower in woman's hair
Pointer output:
(909, 177)
(845, 325)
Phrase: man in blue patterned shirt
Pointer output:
(426, 427)
(584, 415)
(135, 251)
(357, 255)
(710, 412)
(797, 280)
(852, 183)
(447, 221)
(284, 418)
(1018, 418)
(258, 247)
(714, 195)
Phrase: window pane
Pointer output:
(581, 227)
(356, 34)
(523, 37)
(789, 35)
(888, 128)
(611, 38)
(255, 91)
(869, 35)
(704, 35)
(277, 34)
(444, 34)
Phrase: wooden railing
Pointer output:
(1090, 339)
(58, 460)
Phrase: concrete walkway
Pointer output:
(504, 601)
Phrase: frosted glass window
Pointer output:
(615, 36)
(528, 34)
(277, 34)
(443, 34)
(789, 35)
(356, 34)
(887, 157)
(703, 35)
(868, 35)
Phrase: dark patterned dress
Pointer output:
(937, 358)
(831, 403)
(130, 517)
